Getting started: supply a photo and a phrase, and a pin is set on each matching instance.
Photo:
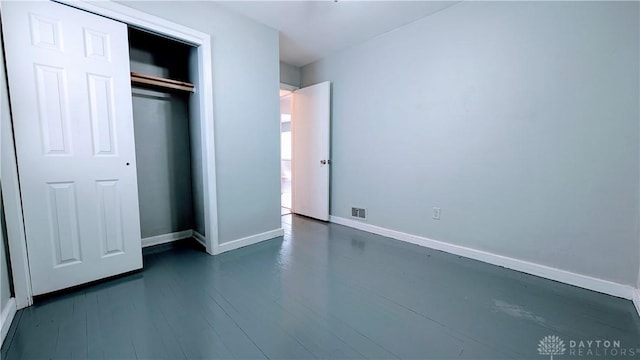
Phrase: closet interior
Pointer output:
(167, 137)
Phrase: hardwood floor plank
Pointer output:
(270, 338)
(72, 332)
(321, 291)
(319, 341)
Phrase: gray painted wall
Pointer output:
(519, 120)
(161, 124)
(290, 74)
(246, 113)
(5, 291)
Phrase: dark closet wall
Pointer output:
(161, 122)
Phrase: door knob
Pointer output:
(325, 162)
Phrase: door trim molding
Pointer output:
(12, 203)
(200, 238)
(204, 83)
(543, 271)
(131, 16)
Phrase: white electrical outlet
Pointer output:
(436, 213)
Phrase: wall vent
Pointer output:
(359, 213)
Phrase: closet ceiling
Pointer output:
(311, 30)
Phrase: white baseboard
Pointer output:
(166, 238)
(231, 245)
(636, 300)
(8, 313)
(200, 238)
(583, 281)
(249, 240)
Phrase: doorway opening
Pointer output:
(285, 152)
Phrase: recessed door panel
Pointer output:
(45, 32)
(63, 214)
(110, 218)
(53, 109)
(102, 112)
(97, 45)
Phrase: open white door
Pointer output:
(70, 94)
(310, 132)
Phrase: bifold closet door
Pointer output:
(70, 94)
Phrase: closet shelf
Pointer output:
(141, 79)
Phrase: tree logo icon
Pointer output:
(551, 345)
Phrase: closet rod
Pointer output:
(141, 79)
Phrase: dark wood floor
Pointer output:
(322, 291)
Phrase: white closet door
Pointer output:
(310, 134)
(71, 100)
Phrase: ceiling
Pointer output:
(311, 30)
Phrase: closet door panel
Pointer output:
(102, 114)
(97, 44)
(63, 213)
(70, 93)
(110, 219)
(53, 105)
